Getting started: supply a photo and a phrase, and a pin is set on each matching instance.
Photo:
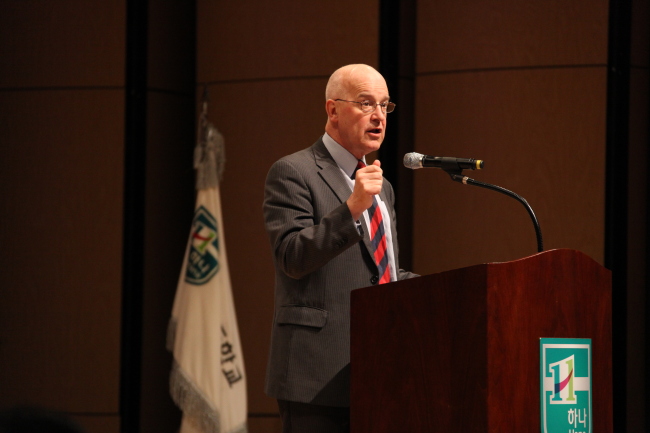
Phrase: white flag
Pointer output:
(208, 380)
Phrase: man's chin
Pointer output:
(373, 144)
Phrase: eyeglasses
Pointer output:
(370, 107)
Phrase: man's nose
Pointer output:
(379, 113)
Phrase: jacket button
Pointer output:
(374, 279)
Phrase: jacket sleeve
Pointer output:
(301, 240)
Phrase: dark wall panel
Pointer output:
(461, 35)
(172, 48)
(541, 134)
(638, 340)
(62, 109)
(640, 34)
(62, 44)
(61, 189)
(284, 39)
(638, 299)
(97, 423)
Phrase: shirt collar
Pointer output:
(344, 159)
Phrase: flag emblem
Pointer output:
(203, 253)
(565, 385)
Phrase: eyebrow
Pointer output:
(368, 96)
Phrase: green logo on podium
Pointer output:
(565, 385)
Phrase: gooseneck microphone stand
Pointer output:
(457, 176)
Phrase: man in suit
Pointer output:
(321, 205)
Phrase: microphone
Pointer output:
(416, 160)
(454, 167)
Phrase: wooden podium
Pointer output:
(458, 351)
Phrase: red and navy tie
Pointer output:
(377, 236)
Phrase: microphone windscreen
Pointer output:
(413, 160)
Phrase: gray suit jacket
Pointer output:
(319, 258)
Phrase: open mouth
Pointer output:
(375, 131)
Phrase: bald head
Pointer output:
(340, 82)
(359, 132)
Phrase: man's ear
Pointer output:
(332, 112)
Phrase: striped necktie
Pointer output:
(377, 236)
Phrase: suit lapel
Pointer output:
(332, 175)
(330, 172)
